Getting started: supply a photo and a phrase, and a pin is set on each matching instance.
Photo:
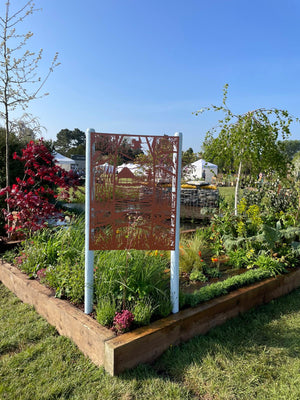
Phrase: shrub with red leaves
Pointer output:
(31, 200)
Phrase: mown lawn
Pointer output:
(255, 356)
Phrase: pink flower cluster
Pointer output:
(122, 321)
(41, 273)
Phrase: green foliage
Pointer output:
(275, 202)
(15, 166)
(191, 253)
(248, 142)
(106, 311)
(188, 157)
(60, 252)
(147, 275)
(290, 147)
(241, 258)
(70, 142)
(296, 165)
(142, 311)
(197, 275)
(130, 277)
(270, 236)
(220, 288)
(68, 280)
(291, 233)
(250, 138)
(296, 248)
(40, 251)
(121, 276)
(274, 266)
(212, 272)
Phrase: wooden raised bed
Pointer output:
(145, 344)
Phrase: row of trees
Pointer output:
(72, 142)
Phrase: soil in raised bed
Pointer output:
(6, 244)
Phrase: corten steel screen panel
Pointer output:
(133, 192)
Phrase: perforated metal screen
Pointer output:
(133, 191)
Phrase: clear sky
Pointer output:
(143, 67)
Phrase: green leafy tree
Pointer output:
(249, 141)
(70, 142)
(19, 83)
(290, 147)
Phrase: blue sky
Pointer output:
(143, 67)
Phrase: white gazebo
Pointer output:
(63, 161)
(201, 170)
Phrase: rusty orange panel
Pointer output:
(133, 191)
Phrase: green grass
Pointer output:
(228, 192)
(255, 356)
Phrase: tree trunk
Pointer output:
(5, 95)
(237, 186)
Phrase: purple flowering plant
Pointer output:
(122, 321)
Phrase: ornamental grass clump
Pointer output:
(143, 311)
(106, 311)
(191, 253)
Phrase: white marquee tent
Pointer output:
(201, 170)
(64, 162)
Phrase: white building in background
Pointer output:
(79, 162)
(64, 162)
(201, 170)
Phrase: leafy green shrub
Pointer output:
(212, 272)
(68, 280)
(60, 252)
(274, 266)
(197, 275)
(241, 258)
(271, 197)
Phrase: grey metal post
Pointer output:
(174, 279)
(89, 254)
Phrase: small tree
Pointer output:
(33, 198)
(188, 157)
(19, 83)
(249, 140)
